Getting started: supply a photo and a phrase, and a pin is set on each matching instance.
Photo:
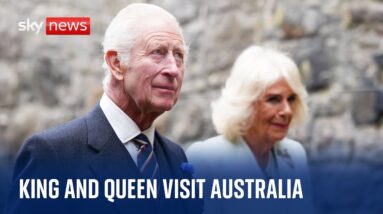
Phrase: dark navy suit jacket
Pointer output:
(88, 147)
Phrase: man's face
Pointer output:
(154, 74)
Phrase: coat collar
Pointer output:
(110, 150)
(111, 159)
(168, 154)
(283, 157)
(99, 129)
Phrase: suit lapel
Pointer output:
(169, 163)
(112, 161)
(111, 157)
(284, 160)
(165, 170)
(174, 157)
(169, 158)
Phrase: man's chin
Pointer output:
(164, 106)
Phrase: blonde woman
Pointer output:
(262, 98)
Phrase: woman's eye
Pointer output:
(292, 98)
(274, 99)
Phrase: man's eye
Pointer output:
(158, 52)
(179, 55)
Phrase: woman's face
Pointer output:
(274, 111)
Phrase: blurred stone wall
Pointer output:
(338, 45)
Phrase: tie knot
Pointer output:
(142, 141)
(142, 137)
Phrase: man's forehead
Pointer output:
(160, 31)
(160, 25)
(163, 36)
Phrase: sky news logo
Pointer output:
(58, 26)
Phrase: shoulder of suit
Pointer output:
(66, 129)
(212, 149)
(214, 143)
(290, 145)
(221, 145)
(293, 149)
(60, 135)
(216, 156)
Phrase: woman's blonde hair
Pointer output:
(253, 72)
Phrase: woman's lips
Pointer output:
(281, 125)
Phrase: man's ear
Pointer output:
(114, 64)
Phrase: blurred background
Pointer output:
(337, 44)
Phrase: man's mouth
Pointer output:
(165, 88)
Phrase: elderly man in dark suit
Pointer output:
(144, 60)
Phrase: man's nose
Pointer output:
(171, 69)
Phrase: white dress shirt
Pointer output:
(124, 127)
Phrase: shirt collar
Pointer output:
(124, 127)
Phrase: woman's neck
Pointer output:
(260, 148)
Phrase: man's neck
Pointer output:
(143, 119)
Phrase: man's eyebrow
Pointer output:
(179, 48)
(152, 45)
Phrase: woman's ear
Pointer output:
(114, 64)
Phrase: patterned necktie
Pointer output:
(146, 159)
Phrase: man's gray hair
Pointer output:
(124, 30)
